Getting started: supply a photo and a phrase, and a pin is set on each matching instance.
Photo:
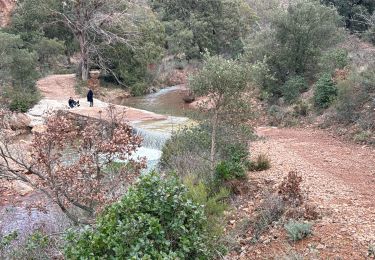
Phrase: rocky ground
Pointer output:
(338, 178)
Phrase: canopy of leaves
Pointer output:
(129, 64)
(194, 26)
(223, 82)
(354, 12)
(294, 42)
(155, 220)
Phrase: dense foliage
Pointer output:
(293, 43)
(355, 12)
(155, 220)
(18, 72)
(218, 26)
(325, 91)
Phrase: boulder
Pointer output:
(39, 129)
(189, 99)
(19, 121)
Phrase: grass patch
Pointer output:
(261, 163)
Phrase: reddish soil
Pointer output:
(58, 87)
(339, 179)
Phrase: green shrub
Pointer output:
(188, 151)
(234, 167)
(301, 109)
(229, 170)
(262, 163)
(156, 219)
(325, 92)
(334, 59)
(215, 203)
(347, 103)
(139, 89)
(293, 88)
(371, 251)
(297, 230)
(21, 100)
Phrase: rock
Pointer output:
(22, 188)
(39, 129)
(320, 247)
(153, 90)
(189, 99)
(19, 121)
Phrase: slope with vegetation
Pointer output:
(303, 61)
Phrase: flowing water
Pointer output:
(167, 101)
(155, 133)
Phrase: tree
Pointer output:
(92, 24)
(223, 82)
(75, 164)
(128, 65)
(41, 32)
(194, 26)
(17, 64)
(294, 42)
(354, 12)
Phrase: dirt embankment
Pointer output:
(6, 8)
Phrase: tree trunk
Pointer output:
(84, 69)
(213, 142)
(84, 56)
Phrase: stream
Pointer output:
(155, 133)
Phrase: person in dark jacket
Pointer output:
(90, 97)
(72, 103)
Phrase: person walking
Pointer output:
(90, 97)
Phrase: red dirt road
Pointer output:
(339, 178)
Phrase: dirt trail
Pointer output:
(58, 87)
(61, 87)
(339, 178)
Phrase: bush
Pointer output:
(371, 251)
(262, 163)
(21, 100)
(188, 151)
(334, 59)
(301, 109)
(293, 87)
(290, 189)
(271, 210)
(234, 167)
(325, 91)
(185, 152)
(156, 219)
(229, 170)
(138, 89)
(297, 230)
(215, 203)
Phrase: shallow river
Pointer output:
(155, 133)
